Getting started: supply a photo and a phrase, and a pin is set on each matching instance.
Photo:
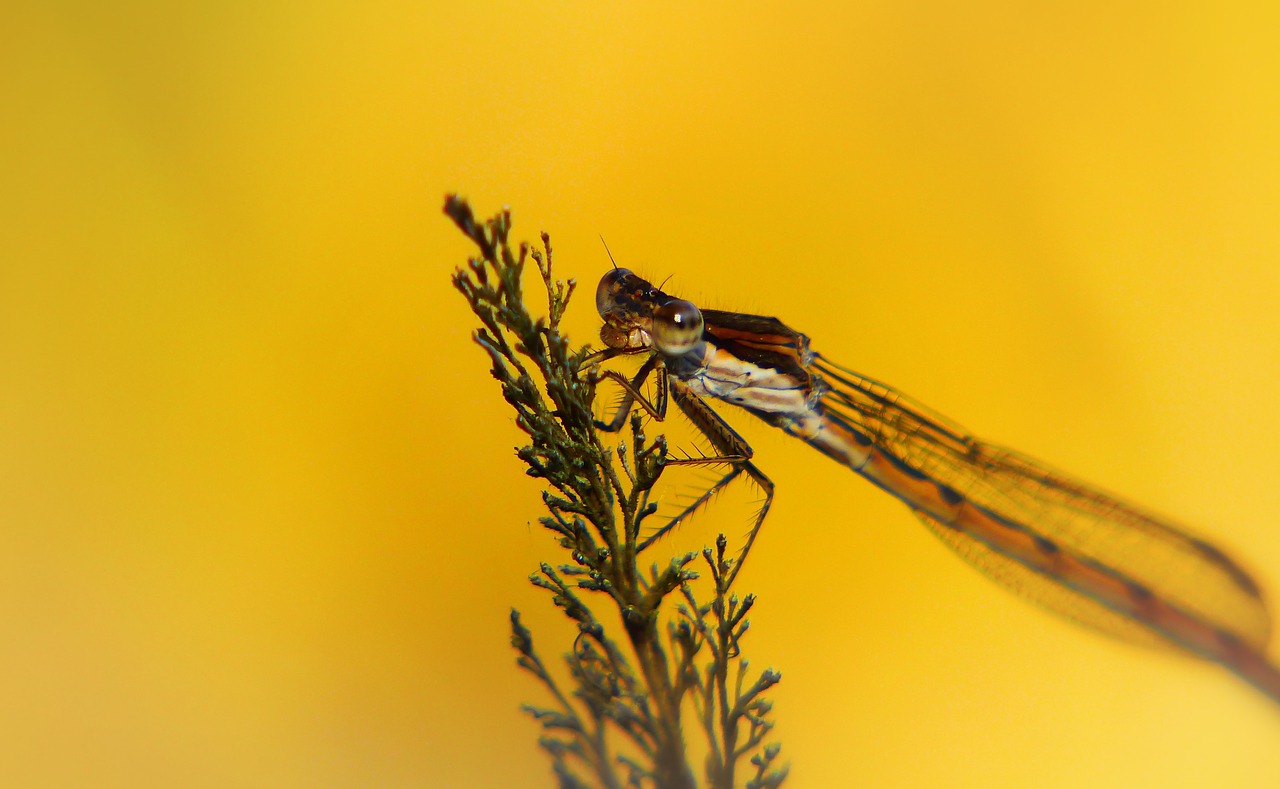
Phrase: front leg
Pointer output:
(631, 394)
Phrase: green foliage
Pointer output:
(620, 723)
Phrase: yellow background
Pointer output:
(261, 520)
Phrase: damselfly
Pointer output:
(1074, 549)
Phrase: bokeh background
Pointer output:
(260, 519)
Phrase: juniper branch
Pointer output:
(596, 514)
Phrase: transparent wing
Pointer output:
(1179, 568)
(1043, 591)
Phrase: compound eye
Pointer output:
(606, 292)
(677, 327)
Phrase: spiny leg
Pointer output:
(740, 465)
(707, 495)
(631, 394)
(765, 485)
(732, 448)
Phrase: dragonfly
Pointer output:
(1064, 544)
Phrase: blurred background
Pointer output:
(260, 518)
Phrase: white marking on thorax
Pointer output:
(763, 389)
(733, 380)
